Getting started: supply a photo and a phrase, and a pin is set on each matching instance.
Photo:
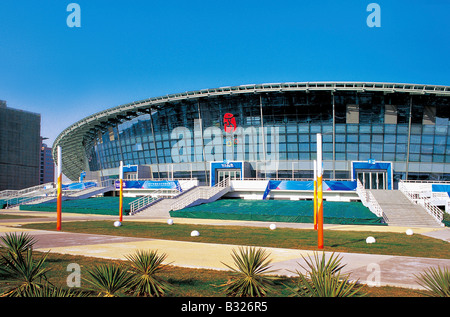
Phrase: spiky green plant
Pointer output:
(250, 277)
(109, 280)
(323, 279)
(22, 273)
(144, 266)
(53, 291)
(15, 243)
(436, 281)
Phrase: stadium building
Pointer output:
(378, 133)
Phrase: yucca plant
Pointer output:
(250, 277)
(144, 266)
(15, 243)
(109, 280)
(23, 273)
(323, 279)
(52, 291)
(436, 281)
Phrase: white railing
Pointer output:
(8, 193)
(369, 201)
(141, 203)
(155, 195)
(200, 193)
(418, 197)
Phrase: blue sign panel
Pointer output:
(150, 185)
(441, 188)
(308, 185)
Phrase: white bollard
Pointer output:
(195, 233)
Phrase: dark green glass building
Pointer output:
(20, 141)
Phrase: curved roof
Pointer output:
(72, 139)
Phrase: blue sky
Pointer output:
(132, 50)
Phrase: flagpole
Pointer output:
(59, 189)
(121, 192)
(315, 195)
(319, 193)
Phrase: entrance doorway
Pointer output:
(373, 179)
(232, 174)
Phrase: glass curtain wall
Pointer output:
(357, 126)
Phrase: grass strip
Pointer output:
(387, 243)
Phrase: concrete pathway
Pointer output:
(367, 268)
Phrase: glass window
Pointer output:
(303, 138)
(426, 149)
(340, 147)
(389, 147)
(401, 148)
(438, 158)
(389, 138)
(303, 147)
(414, 148)
(376, 147)
(364, 138)
(414, 157)
(352, 147)
(292, 147)
(428, 139)
(340, 138)
(377, 138)
(352, 138)
(402, 138)
(416, 139)
(364, 148)
(292, 137)
(439, 140)
(389, 156)
(304, 156)
(439, 149)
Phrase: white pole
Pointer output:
(319, 155)
(121, 170)
(319, 193)
(59, 189)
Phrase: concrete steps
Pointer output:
(196, 196)
(400, 211)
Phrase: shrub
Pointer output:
(109, 280)
(144, 266)
(436, 281)
(249, 279)
(323, 279)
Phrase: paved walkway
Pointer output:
(368, 268)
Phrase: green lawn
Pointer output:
(339, 241)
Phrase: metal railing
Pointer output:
(8, 193)
(141, 202)
(200, 193)
(369, 201)
(418, 198)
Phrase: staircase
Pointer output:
(400, 211)
(88, 192)
(198, 195)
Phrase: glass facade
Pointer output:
(411, 131)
